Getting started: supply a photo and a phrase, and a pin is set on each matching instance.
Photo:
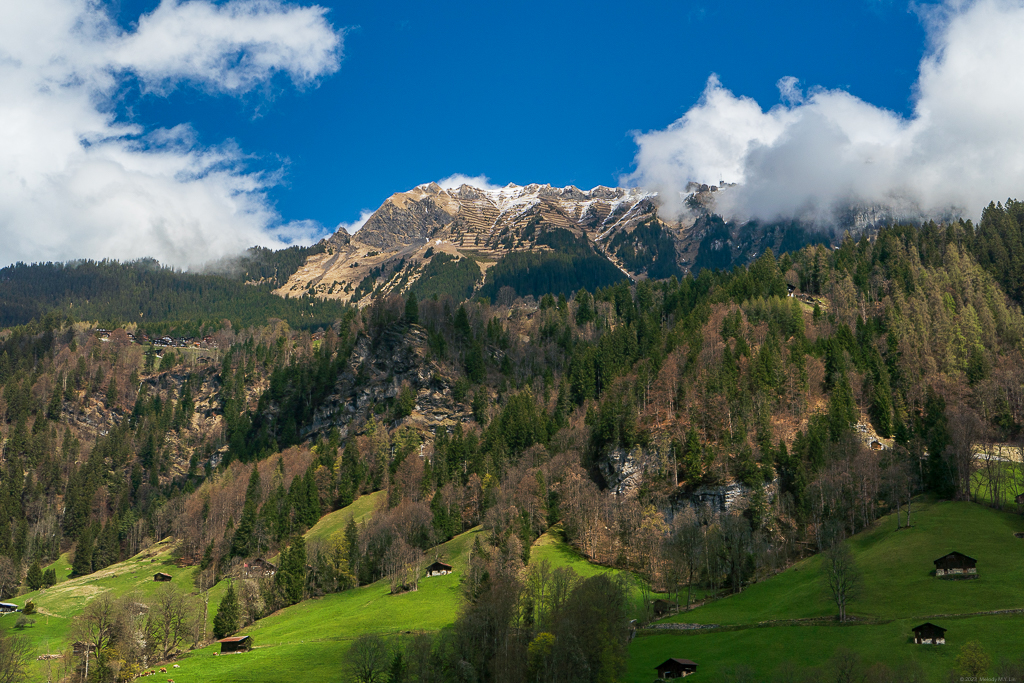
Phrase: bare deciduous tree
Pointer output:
(170, 621)
(14, 657)
(841, 575)
(369, 659)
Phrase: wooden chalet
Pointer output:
(235, 644)
(1019, 499)
(161, 576)
(956, 564)
(6, 607)
(661, 607)
(260, 567)
(929, 634)
(439, 569)
(676, 668)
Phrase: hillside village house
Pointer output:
(439, 569)
(235, 644)
(956, 565)
(929, 634)
(6, 607)
(676, 668)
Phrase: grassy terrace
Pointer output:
(899, 592)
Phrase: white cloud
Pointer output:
(352, 227)
(962, 147)
(457, 180)
(77, 183)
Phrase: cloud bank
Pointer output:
(76, 182)
(457, 180)
(823, 150)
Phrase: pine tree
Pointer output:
(83, 555)
(412, 308)
(111, 392)
(226, 621)
(35, 577)
(244, 544)
(291, 578)
(50, 577)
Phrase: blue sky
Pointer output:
(188, 130)
(528, 92)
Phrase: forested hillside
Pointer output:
(606, 411)
(162, 300)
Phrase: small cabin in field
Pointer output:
(929, 634)
(439, 569)
(661, 607)
(956, 565)
(676, 668)
(235, 644)
(160, 576)
(6, 607)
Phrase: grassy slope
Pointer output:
(308, 641)
(898, 588)
(335, 522)
(59, 604)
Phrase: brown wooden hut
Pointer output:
(235, 644)
(439, 569)
(160, 576)
(79, 648)
(676, 668)
(662, 607)
(956, 564)
(929, 634)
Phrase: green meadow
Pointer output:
(308, 641)
(333, 523)
(899, 591)
(59, 604)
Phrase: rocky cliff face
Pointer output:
(623, 225)
(377, 371)
(467, 222)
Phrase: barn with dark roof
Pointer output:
(235, 644)
(676, 668)
(956, 565)
(929, 634)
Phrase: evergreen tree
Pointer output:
(693, 459)
(584, 308)
(34, 579)
(83, 555)
(244, 544)
(412, 308)
(291, 578)
(50, 577)
(226, 621)
(842, 410)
